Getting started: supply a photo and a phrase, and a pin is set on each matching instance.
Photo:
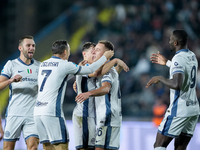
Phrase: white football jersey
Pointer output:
(184, 102)
(84, 84)
(52, 80)
(22, 94)
(108, 107)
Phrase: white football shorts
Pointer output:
(174, 126)
(15, 124)
(84, 131)
(108, 137)
(51, 129)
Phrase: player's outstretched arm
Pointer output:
(121, 66)
(97, 73)
(85, 70)
(174, 83)
(158, 59)
(106, 67)
(4, 82)
(103, 90)
(82, 63)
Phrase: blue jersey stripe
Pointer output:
(175, 103)
(63, 130)
(45, 141)
(119, 91)
(108, 137)
(108, 109)
(178, 72)
(107, 81)
(58, 100)
(11, 93)
(79, 69)
(32, 135)
(5, 75)
(84, 88)
(32, 61)
(55, 57)
(85, 132)
(10, 140)
(167, 125)
(182, 50)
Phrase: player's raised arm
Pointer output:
(121, 65)
(94, 66)
(107, 66)
(158, 59)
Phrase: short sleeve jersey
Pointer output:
(108, 107)
(52, 80)
(23, 94)
(184, 103)
(84, 84)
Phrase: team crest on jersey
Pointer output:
(175, 64)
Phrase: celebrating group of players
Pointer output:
(37, 92)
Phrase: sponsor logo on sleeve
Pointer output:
(175, 64)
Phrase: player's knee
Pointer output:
(61, 146)
(32, 144)
(8, 145)
(160, 148)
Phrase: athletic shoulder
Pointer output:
(36, 62)
(10, 62)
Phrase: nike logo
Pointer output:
(20, 71)
(98, 141)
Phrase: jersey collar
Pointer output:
(32, 61)
(55, 57)
(182, 50)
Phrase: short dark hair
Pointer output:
(181, 36)
(87, 45)
(25, 37)
(59, 46)
(107, 44)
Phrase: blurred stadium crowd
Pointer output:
(137, 29)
